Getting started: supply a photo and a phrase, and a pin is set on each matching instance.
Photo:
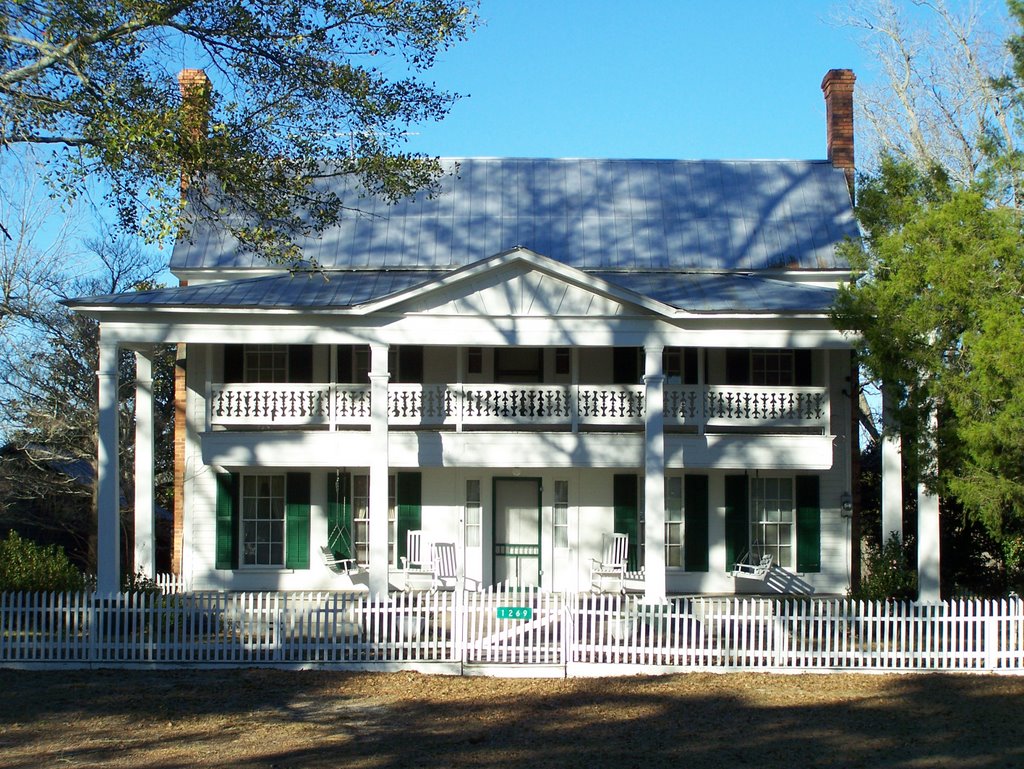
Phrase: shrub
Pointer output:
(24, 565)
(139, 582)
(888, 573)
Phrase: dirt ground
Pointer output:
(249, 718)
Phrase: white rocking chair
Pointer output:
(443, 566)
(419, 574)
(438, 574)
(608, 575)
(751, 567)
(413, 558)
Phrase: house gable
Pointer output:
(521, 283)
(515, 291)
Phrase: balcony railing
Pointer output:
(437, 405)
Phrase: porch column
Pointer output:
(928, 584)
(145, 536)
(892, 472)
(654, 474)
(378, 460)
(108, 491)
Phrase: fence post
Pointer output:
(568, 630)
(991, 637)
(91, 625)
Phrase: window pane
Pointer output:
(473, 513)
(772, 518)
(560, 514)
(262, 508)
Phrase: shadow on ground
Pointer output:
(248, 718)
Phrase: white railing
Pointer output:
(610, 404)
(584, 633)
(519, 405)
(270, 404)
(760, 406)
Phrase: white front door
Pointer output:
(517, 531)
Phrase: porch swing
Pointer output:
(342, 542)
(749, 566)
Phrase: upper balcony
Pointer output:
(697, 408)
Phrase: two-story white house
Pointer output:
(545, 352)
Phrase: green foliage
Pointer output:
(139, 582)
(938, 302)
(888, 573)
(25, 565)
(303, 88)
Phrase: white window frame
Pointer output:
(262, 520)
(474, 513)
(361, 519)
(265, 363)
(773, 518)
(560, 515)
(772, 368)
(675, 526)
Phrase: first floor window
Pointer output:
(473, 513)
(686, 522)
(674, 521)
(361, 519)
(560, 514)
(772, 519)
(263, 533)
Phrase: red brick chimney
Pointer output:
(838, 89)
(195, 114)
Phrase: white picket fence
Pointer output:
(504, 629)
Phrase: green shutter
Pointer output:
(737, 519)
(803, 368)
(410, 364)
(339, 515)
(296, 521)
(695, 522)
(808, 524)
(690, 365)
(626, 365)
(227, 521)
(234, 365)
(344, 372)
(300, 363)
(624, 502)
(408, 499)
(737, 367)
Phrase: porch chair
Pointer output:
(419, 574)
(751, 567)
(413, 558)
(443, 566)
(608, 575)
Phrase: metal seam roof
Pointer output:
(692, 292)
(589, 214)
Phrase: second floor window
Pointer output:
(265, 363)
(772, 368)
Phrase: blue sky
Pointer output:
(646, 79)
(643, 79)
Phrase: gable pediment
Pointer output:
(518, 290)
